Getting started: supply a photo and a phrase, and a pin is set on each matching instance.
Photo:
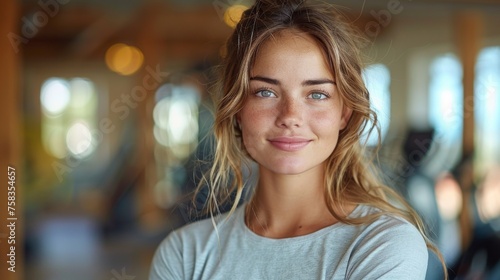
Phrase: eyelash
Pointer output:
(258, 91)
(324, 93)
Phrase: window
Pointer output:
(378, 79)
(176, 132)
(68, 117)
(487, 109)
(446, 109)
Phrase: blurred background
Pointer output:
(106, 113)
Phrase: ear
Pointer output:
(346, 116)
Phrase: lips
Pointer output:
(289, 144)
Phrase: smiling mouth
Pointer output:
(289, 144)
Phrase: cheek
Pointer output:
(252, 122)
(251, 138)
(326, 123)
(255, 118)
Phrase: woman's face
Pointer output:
(293, 114)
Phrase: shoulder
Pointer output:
(388, 226)
(388, 246)
(200, 231)
(199, 238)
(209, 227)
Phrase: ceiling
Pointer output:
(179, 30)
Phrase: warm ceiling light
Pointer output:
(124, 59)
(233, 15)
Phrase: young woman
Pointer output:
(292, 100)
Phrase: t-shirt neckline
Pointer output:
(302, 238)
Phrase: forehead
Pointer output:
(292, 38)
(292, 48)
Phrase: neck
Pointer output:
(289, 205)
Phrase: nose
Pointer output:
(289, 113)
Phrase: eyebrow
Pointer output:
(304, 83)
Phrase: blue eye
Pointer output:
(318, 95)
(265, 93)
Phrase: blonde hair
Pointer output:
(350, 178)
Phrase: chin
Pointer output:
(288, 169)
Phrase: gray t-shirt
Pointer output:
(388, 248)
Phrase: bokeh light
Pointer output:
(79, 140)
(175, 122)
(182, 127)
(449, 197)
(161, 113)
(176, 119)
(124, 59)
(161, 136)
(233, 15)
(378, 81)
(55, 96)
(489, 195)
